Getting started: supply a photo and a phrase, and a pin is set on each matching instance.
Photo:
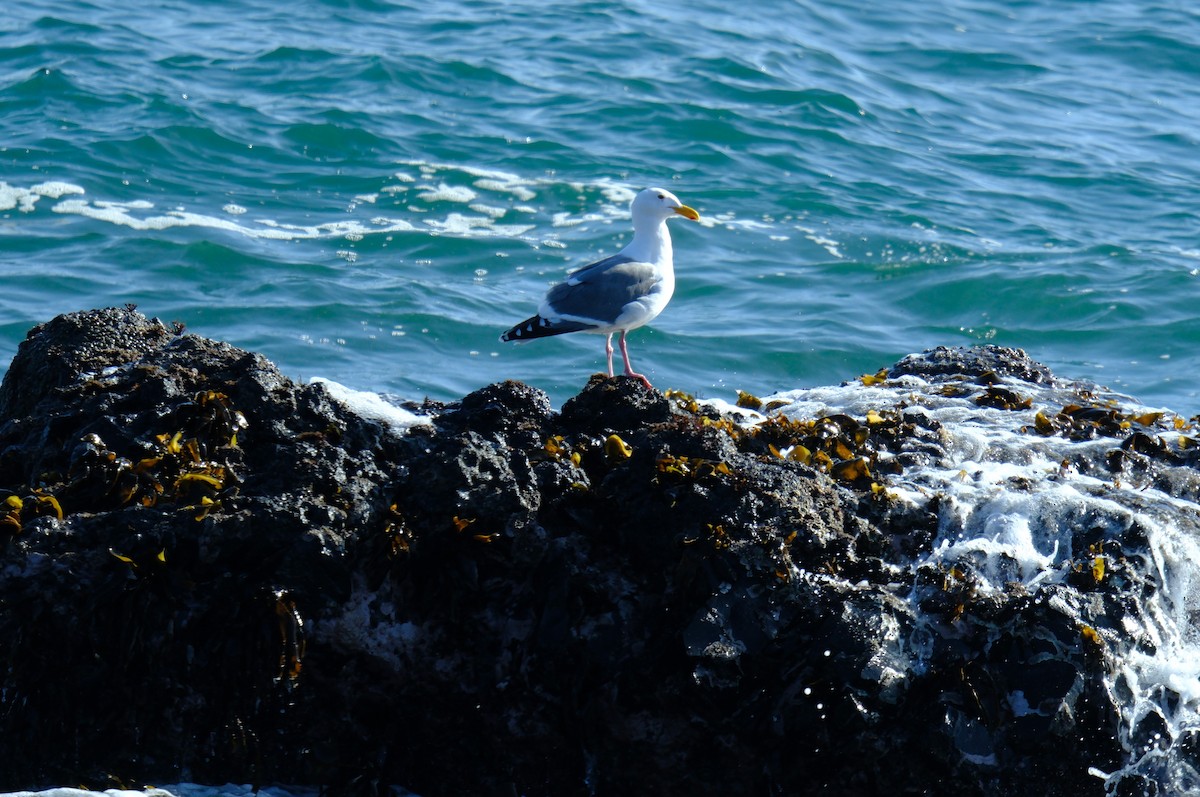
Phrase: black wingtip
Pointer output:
(535, 327)
(538, 327)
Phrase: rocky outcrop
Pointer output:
(210, 572)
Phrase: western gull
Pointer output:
(621, 292)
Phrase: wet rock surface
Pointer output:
(211, 572)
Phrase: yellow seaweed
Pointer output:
(877, 378)
(851, 470)
(800, 454)
(203, 478)
(748, 400)
(617, 449)
(1042, 424)
(52, 502)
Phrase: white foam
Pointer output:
(565, 219)
(141, 214)
(492, 196)
(54, 189)
(12, 196)
(1003, 538)
(618, 194)
(124, 214)
(25, 199)
(120, 213)
(459, 224)
(488, 210)
(518, 189)
(828, 244)
(489, 174)
(372, 406)
(1181, 674)
(447, 193)
(504, 183)
(743, 415)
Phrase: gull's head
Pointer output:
(659, 203)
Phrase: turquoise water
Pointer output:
(372, 191)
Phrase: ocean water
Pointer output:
(371, 191)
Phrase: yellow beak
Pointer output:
(687, 213)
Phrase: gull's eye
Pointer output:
(661, 196)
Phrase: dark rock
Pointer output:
(74, 347)
(251, 583)
(982, 363)
(617, 405)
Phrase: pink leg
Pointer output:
(608, 349)
(628, 367)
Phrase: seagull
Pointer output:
(621, 292)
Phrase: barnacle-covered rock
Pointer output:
(975, 362)
(76, 347)
(213, 572)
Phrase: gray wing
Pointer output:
(599, 291)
